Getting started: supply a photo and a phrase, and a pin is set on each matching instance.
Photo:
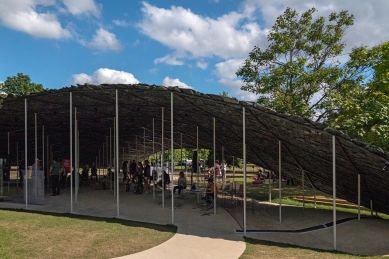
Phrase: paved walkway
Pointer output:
(201, 237)
(213, 236)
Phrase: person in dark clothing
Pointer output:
(54, 170)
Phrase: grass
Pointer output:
(267, 249)
(26, 234)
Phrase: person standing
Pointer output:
(54, 170)
(146, 179)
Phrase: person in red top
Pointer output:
(209, 193)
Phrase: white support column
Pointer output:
(172, 152)
(25, 153)
(244, 172)
(110, 158)
(222, 170)
(144, 143)
(36, 148)
(116, 171)
(163, 177)
(270, 191)
(154, 164)
(214, 163)
(48, 163)
(279, 176)
(198, 153)
(334, 187)
(99, 165)
(303, 183)
(117, 154)
(76, 162)
(71, 151)
(359, 196)
(43, 149)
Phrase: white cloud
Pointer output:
(105, 76)
(371, 25)
(78, 7)
(22, 15)
(103, 40)
(202, 65)
(171, 60)
(191, 35)
(121, 23)
(167, 81)
(226, 72)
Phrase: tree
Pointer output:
(299, 72)
(20, 84)
(364, 113)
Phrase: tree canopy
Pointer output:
(20, 84)
(301, 73)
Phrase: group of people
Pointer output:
(139, 173)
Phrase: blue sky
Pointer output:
(197, 44)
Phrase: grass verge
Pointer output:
(26, 234)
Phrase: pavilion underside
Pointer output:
(305, 145)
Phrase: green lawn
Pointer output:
(49, 235)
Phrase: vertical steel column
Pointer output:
(244, 172)
(117, 153)
(36, 147)
(110, 158)
(214, 168)
(43, 149)
(359, 196)
(172, 151)
(76, 162)
(279, 180)
(163, 176)
(303, 183)
(116, 171)
(155, 164)
(25, 153)
(71, 150)
(8, 144)
(334, 187)
(144, 143)
(48, 163)
(198, 153)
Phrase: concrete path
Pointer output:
(198, 236)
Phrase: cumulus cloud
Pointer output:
(191, 35)
(226, 73)
(103, 40)
(77, 7)
(22, 15)
(121, 23)
(202, 65)
(105, 76)
(167, 81)
(371, 25)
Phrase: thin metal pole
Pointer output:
(155, 164)
(214, 164)
(110, 157)
(359, 196)
(198, 152)
(163, 176)
(48, 163)
(334, 187)
(76, 162)
(36, 147)
(114, 157)
(144, 143)
(71, 152)
(244, 172)
(270, 190)
(99, 165)
(25, 151)
(8, 143)
(172, 151)
(43, 149)
(303, 183)
(117, 153)
(279, 176)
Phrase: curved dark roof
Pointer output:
(306, 145)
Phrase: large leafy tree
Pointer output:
(20, 84)
(299, 72)
(364, 112)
